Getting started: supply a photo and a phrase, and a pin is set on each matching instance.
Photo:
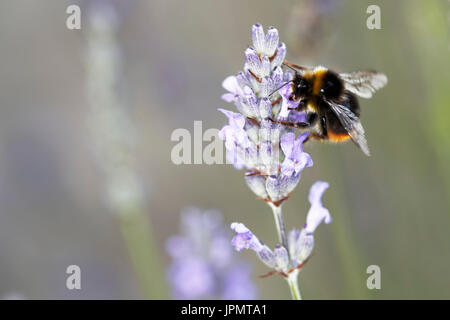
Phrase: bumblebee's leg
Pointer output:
(323, 124)
(298, 125)
(307, 139)
(301, 104)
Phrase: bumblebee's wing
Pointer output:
(352, 125)
(364, 83)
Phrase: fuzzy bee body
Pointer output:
(330, 103)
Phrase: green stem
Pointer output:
(279, 223)
(293, 286)
(137, 233)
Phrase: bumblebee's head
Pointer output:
(301, 86)
(331, 86)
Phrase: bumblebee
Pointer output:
(330, 103)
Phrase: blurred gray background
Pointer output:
(391, 209)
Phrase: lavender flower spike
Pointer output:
(272, 154)
(269, 151)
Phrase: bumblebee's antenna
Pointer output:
(294, 67)
(280, 87)
(286, 65)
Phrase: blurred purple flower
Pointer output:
(204, 265)
(191, 278)
(237, 284)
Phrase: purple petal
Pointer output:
(253, 83)
(265, 108)
(273, 188)
(305, 245)
(233, 159)
(244, 238)
(287, 167)
(241, 241)
(231, 84)
(252, 61)
(228, 97)
(242, 138)
(265, 131)
(266, 153)
(235, 119)
(222, 133)
(277, 77)
(300, 244)
(251, 102)
(302, 137)
(287, 143)
(289, 183)
(303, 161)
(267, 257)
(266, 87)
(257, 184)
(271, 41)
(265, 67)
(316, 192)
(245, 109)
(242, 80)
(293, 237)
(280, 186)
(226, 134)
(258, 38)
(281, 54)
(281, 257)
(286, 104)
(317, 213)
